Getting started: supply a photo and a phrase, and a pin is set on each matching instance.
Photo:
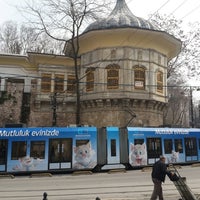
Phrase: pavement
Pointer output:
(112, 185)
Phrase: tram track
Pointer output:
(83, 193)
(132, 185)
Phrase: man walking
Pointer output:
(158, 174)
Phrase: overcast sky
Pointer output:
(188, 10)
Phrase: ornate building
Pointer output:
(123, 69)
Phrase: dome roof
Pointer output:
(120, 17)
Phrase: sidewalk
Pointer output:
(127, 185)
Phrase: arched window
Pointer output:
(112, 76)
(160, 81)
(139, 77)
(89, 79)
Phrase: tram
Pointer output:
(67, 149)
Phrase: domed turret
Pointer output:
(120, 17)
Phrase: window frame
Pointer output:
(18, 149)
(41, 152)
(46, 82)
(71, 83)
(113, 76)
(159, 83)
(59, 83)
(89, 80)
(139, 78)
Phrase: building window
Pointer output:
(71, 83)
(160, 82)
(140, 55)
(59, 83)
(112, 76)
(113, 53)
(46, 83)
(159, 59)
(89, 79)
(139, 77)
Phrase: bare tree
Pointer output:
(185, 65)
(9, 38)
(176, 113)
(68, 18)
(180, 69)
(16, 39)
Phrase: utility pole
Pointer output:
(191, 109)
(54, 107)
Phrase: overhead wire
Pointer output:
(178, 7)
(103, 83)
(190, 12)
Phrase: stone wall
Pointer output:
(107, 113)
(10, 103)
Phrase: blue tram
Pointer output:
(178, 145)
(47, 149)
(65, 149)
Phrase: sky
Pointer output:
(187, 10)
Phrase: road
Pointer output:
(114, 185)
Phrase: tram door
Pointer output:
(191, 149)
(60, 153)
(3, 155)
(113, 147)
(154, 149)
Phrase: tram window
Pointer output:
(178, 145)
(37, 149)
(154, 148)
(81, 142)
(138, 141)
(199, 143)
(18, 150)
(2, 151)
(190, 146)
(67, 150)
(60, 150)
(168, 146)
(113, 147)
(158, 145)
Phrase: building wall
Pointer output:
(10, 103)
(102, 106)
(121, 113)
(115, 107)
